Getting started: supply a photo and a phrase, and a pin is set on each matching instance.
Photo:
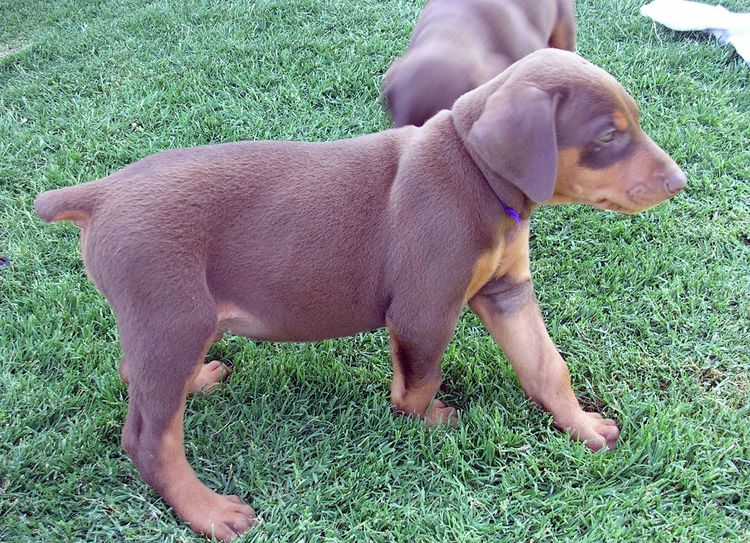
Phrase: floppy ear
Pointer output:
(517, 138)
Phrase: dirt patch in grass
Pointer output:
(6, 50)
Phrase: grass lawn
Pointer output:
(652, 312)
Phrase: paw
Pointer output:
(438, 414)
(209, 377)
(593, 430)
(223, 518)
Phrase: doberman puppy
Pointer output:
(458, 45)
(294, 241)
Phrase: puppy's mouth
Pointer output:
(637, 200)
(609, 205)
(644, 198)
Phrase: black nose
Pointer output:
(676, 183)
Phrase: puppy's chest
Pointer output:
(507, 256)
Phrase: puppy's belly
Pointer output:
(234, 320)
(277, 326)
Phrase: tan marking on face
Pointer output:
(567, 189)
(603, 188)
(631, 185)
(620, 121)
(507, 257)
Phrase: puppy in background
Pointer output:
(458, 45)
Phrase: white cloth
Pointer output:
(741, 42)
(683, 15)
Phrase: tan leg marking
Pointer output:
(207, 512)
(418, 400)
(543, 373)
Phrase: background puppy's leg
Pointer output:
(164, 349)
(416, 373)
(564, 34)
(520, 331)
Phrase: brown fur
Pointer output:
(458, 45)
(291, 241)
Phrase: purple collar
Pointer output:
(510, 212)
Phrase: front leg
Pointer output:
(510, 312)
(420, 332)
(417, 378)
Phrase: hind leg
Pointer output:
(209, 376)
(164, 357)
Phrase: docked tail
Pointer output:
(68, 204)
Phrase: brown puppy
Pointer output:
(292, 241)
(458, 45)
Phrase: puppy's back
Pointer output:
(457, 46)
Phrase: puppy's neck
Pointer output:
(513, 202)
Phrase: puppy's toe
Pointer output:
(438, 413)
(228, 520)
(235, 499)
(210, 376)
(594, 430)
(596, 442)
(610, 432)
(241, 520)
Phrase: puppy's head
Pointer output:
(562, 130)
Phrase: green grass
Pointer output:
(652, 312)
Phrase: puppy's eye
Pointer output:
(608, 136)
